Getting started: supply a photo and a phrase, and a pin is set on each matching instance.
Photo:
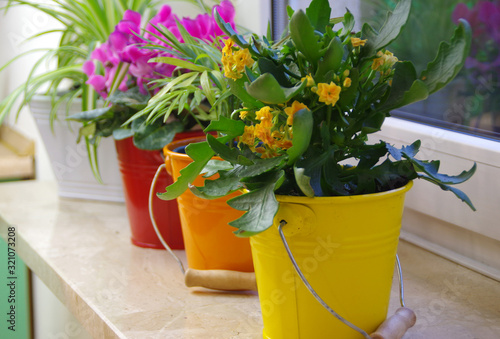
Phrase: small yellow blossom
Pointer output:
(309, 79)
(347, 82)
(384, 62)
(357, 42)
(265, 116)
(346, 73)
(328, 93)
(290, 111)
(243, 115)
(235, 61)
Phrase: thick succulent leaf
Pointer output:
(231, 154)
(319, 12)
(229, 127)
(217, 188)
(268, 66)
(431, 169)
(260, 205)
(390, 30)
(303, 181)
(410, 151)
(406, 88)
(331, 60)
(268, 90)
(238, 89)
(458, 193)
(449, 60)
(201, 153)
(302, 132)
(373, 122)
(214, 166)
(304, 37)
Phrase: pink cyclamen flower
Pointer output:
(125, 45)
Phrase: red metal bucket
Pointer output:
(138, 168)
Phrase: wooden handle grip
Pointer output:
(396, 326)
(220, 279)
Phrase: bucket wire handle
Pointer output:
(226, 280)
(321, 301)
(152, 217)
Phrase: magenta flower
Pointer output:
(125, 47)
(484, 19)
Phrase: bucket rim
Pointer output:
(348, 199)
(169, 148)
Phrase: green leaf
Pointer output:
(408, 151)
(331, 60)
(260, 205)
(431, 168)
(373, 122)
(319, 12)
(405, 88)
(238, 89)
(304, 37)
(231, 128)
(458, 193)
(90, 115)
(302, 132)
(213, 166)
(180, 63)
(390, 30)
(122, 133)
(231, 154)
(449, 60)
(201, 153)
(217, 188)
(303, 181)
(268, 90)
(155, 136)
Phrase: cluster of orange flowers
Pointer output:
(268, 134)
(234, 61)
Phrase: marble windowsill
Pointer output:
(81, 250)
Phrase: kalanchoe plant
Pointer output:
(309, 103)
(124, 71)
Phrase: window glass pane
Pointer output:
(471, 103)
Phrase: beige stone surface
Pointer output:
(81, 250)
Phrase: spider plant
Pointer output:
(85, 24)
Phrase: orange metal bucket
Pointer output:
(208, 239)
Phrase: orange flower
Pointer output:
(265, 116)
(357, 42)
(384, 62)
(243, 115)
(328, 93)
(248, 136)
(263, 133)
(290, 111)
(235, 61)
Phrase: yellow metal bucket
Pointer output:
(346, 248)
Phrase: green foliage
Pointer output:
(308, 104)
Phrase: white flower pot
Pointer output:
(69, 160)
